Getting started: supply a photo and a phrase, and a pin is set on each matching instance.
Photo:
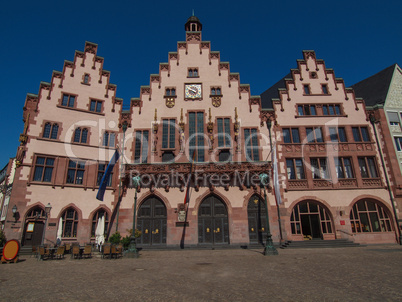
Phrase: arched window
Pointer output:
(369, 216)
(55, 130)
(81, 135)
(70, 223)
(47, 129)
(50, 130)
(96, 219)
(36, 212)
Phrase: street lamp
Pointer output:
(47, 212)
(269, 245)
(14, 210)
(132, 251)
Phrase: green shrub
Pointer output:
(115, 238)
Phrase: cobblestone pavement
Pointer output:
(371, 273)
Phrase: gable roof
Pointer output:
(272, 93)
(375, 88)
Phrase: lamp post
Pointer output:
(132, 251)
(47, 212)
(269, 245)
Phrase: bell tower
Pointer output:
(193, 24)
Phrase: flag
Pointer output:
(189, 179)
(276, 176)
(106, 175)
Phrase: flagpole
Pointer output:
(124, 126)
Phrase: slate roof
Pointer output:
(272, 93)
(375, 88)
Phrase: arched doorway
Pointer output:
(151, 222)
(311, 219)
(213, 226)
(34, 225)
(257, 220)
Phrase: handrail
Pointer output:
(347, 233)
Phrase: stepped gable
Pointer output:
(312, 72)
(176, 59)
(374, 89)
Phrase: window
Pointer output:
(141, 146)
(295, 169)
(36, 213)
(86, 78)
(324, 88)
(168, 133)
(95, 106)
(393, 118)
(81, 135)
(216, 91)
(193, 72)
(319, 168)
(306, 110)
(43, 169)
(224, 138)
(170, 92)
(306, 89)
(343, 167)
(70, 223)
(331, 109)
(101, 172)
(291, 135)
(306, 209)
(314, 135)
(196, 135)
(360, 134)
(68, 101)
(368, 167)
(337, 134)
(251, 144)
(109, 139)
(50, 131)
(368, 216)
(75, 173)
(97, 219)
(398, 143)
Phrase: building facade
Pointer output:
(382, 95)
(199, 143)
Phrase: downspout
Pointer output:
(373, 121)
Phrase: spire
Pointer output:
(193, 24)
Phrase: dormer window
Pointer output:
(193, 72)
(216, 91)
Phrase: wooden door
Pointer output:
(151, 221)
(257, 220)
(213, 226)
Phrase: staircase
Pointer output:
(318, 243)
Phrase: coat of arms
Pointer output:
(170, 102)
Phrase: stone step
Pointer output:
(337, 243)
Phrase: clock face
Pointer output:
(193, 91)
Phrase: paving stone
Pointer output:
(371, 273)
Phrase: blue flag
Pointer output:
(106, 175)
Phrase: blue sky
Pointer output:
(260, 39)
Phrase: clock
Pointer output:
(193, 91)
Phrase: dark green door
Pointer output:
(151, 222)
(257, 220)
(213, 226)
